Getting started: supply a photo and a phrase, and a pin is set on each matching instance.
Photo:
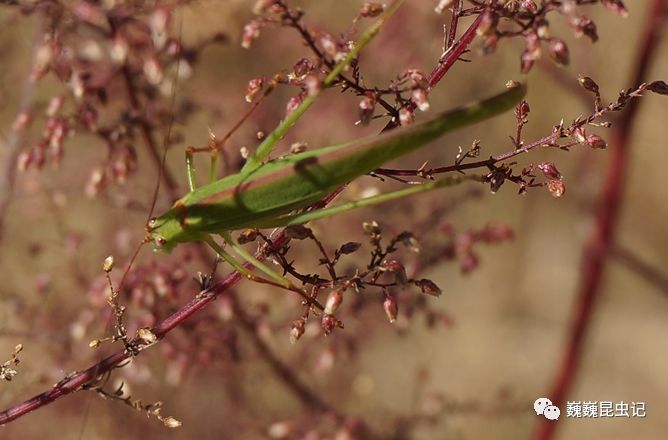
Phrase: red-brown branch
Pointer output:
(602, 239)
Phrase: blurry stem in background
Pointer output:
(602, 239)
(631, 261)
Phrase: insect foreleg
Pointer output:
(255, 262)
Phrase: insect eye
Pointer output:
(160, 241)
(152, 224)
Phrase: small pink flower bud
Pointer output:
(406, 116)
(616, 6)
(556, 187)
(328, 323)
(580, 135)
(250, 33)
(596, 141)
(420, 98)
(371, 9)
(558, 51)
(302, 67)
(293, 103)
(334, 300)
(395, 267)
(367, 105)
(253, 87)
(529, 6)
(549, 170)
(391, 307)
(297, 330)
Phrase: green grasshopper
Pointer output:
(268, 195)
(271, 194)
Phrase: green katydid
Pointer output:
(268, 195)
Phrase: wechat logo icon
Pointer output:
(543, 407)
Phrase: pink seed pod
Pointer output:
(558, 51)
(334, 300)
(549, 170)
(391, 307)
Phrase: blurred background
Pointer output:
(501, 329)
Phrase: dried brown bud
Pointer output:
(596, 141)
(302, 67)
(367, 105)
(328, 323)
(588, 84)
(108, 264)
(298, 232)
(395, 267)
(391, 307)
(247, 236)
(659, 87)
(371, 9)
(171, 422)
(549, 170)
(556, 187)
(428, 287)
(147, 335)
(558, 51)
(349, 248)
(297, 330)
(371, 228)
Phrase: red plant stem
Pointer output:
(453, 53)
(602, 239)
(77, 380)
(447, 60)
